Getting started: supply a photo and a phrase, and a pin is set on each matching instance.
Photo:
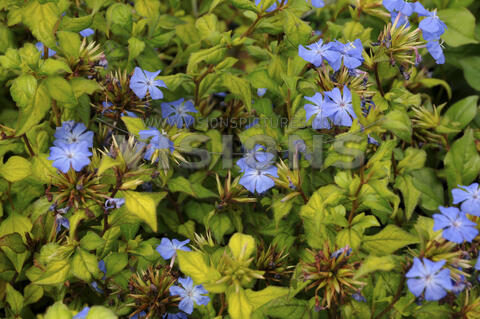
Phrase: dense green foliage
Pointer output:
(368, 188)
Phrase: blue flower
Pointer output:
(71, 132)
(317, 3)
(477, 264)
(178, 315)
(61, 221)
(157, 141)
(350, 53)
(168, 248)
(469, 196)
(261, 92)
(143, 81)
(459, 285)
(65, 155)
(103, 268)
(139, 315)
(402, 19)
(189, 294)
(456, 226)
(340, 251)
(176, 112)
(316, 52)
(113, 203)
(86, 32)
(339, 106)
(107, 107)
(358, 297)
(96, 287)
(256, 158)
(251, 123)
(429, 276)
(420, 10)
(39, 46)
(432, 27)
(258, 179)
(435, 50)
(371, 140)
(406, 8)
(82, 314)
(318, 110)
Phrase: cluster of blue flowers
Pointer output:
(258, 169)
(334, 53)
(314, 3)
(432, 27)
(71, 147)
(188, 293)
(428, 275)
(336, 108)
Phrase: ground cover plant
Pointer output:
(239, 159)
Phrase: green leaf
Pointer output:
(55, 273)
(61, 90)
(462, 162)
(135, 47)
(414, 159)
(431, 82)
(411, 195)
(23, 89)
(134, 124)
(69, 43)
(471, 71)
(211, 55)
(42, 169)
(261, 297)
(13, 241)
(240, 88)
(32, 294)
(58, 311)
(242, 246)
(97, 312)
(85, 265)
(398, 122)
(280, 210)
(181, 184)
(15, 223)
(143, 205)
(148, 8)
(119, 19)
(14, 299)
(374, 264)
(464, 111)
(115, 262)
(244, 5)
(15, 169)
(54, 67)
(193, 264)
(350, 237)
(239, 306)
(34, 112)
(41, 20)
(91, 241)
(430, 187)
(460, 26)
(388, 240)
(83, 86)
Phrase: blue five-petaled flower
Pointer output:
(189, 294)
(71, 132)
(177, 112)
(429, 276)
(168, 248)
(258, 169)
(456, 226)
(87, 32)
(74, 155)
(318, 111)
(469, 196)
(339, 106)
(143, 81)
(82, 314)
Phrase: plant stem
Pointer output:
(58, 121)
(397, 296)
(27, 142)
(377, 78)
(198, 80)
